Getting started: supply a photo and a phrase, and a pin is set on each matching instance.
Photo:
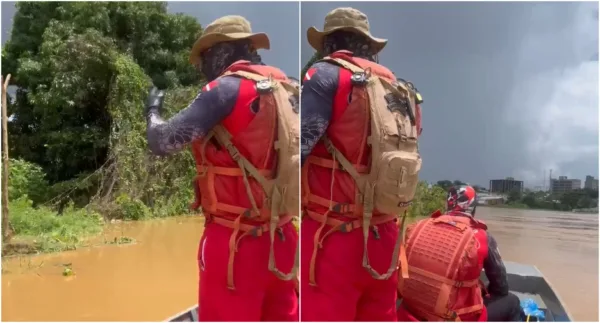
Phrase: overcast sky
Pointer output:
(510, 89)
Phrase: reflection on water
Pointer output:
(564, 246)
(157, 276)
(148, 281)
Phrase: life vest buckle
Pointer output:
(347, 227)
(361, 78)
(341, 208)
(257, 231)
(264, 86)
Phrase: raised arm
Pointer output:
(209, 108)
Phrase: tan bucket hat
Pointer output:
(224, 29)
(343, 19)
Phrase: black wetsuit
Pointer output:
(212, 105)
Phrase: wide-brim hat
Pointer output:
(224, 29)
(348, 19)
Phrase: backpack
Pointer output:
(390, 185)
(283, 190)
(442, 254)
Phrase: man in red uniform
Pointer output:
(434, 275)
(334, 284)
(231, 126)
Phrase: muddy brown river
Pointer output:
(157, 276)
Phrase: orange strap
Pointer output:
(336, 225)
(234, 240)
(329, 163)
(229, 171)
(455, 283)
(341, 208)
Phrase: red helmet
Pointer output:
(462, 199)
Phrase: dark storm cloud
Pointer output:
(470, 61)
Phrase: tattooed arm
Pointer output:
(318, 92)
(209, 108)
(495, 270)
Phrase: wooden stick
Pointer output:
(6, 232)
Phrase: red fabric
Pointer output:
(253, 135)
(259, 295)
(241, 115)
(345, 291)
(482, 253)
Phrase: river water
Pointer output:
(157, 276)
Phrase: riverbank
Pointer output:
(42, 230)
(521, 206)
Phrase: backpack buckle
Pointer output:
(361, 78)
(265, 86)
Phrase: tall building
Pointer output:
(564, 184)
(591, 183)
(505, 185)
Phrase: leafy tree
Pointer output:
(62, 56)
(458, 183)
(478, 188)
(27, 179)
(427, 200)
(445, 184)
(530, 200)
(514, 196)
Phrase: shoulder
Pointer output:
(228, 83)
(321, 70)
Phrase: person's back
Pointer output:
(232, 127)
(337, 106)
(446, 254)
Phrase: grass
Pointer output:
(41, 229)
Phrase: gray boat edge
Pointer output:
(532, 271)
(511, 268)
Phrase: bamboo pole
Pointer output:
(6, 231)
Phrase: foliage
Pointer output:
(576, 199)
(64, 57)
(427, 200)
(83, 70)
(445, 184)
(313, 59)
(27, 179)
(132, 174)
(48, 231)
(514, 196)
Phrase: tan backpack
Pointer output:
(391, 183)
(283, 190)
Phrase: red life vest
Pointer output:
(444, 285)
(221, 185)
(348, 131)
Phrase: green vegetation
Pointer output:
(576, 199)
(77, 134)
(427, 200)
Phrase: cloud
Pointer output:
(556, 106)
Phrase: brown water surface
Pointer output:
(157, 276)
(147, 281)
(563, 245)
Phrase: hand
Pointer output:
(155, 99)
